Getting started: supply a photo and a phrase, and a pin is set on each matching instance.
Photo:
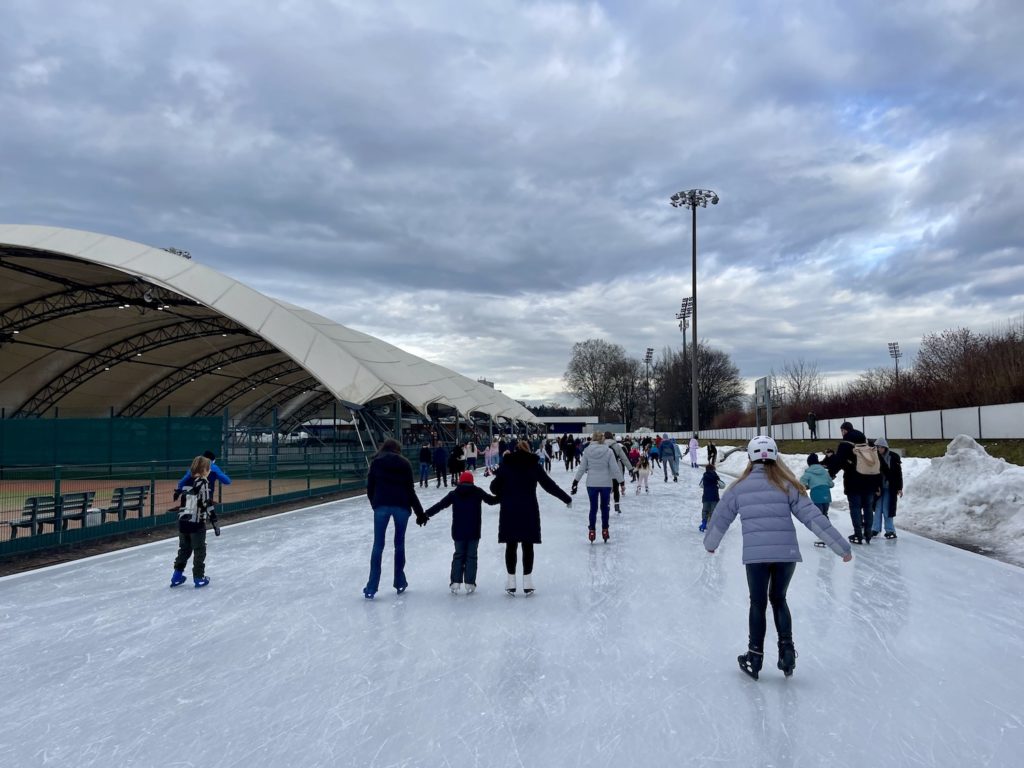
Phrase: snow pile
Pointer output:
(970, 498)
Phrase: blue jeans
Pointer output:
(672, 460)
(380, 528)
(424, 472)
(881, 513)
(602, 495)
(860, 512)
(823, 506)
(464, 561)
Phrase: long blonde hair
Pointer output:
(778, 474)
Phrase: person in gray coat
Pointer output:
(599, 465)
(767, 496)
(624, 465)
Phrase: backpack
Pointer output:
(866, 459)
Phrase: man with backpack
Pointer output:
(862, 479)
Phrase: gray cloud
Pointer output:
(487, 183)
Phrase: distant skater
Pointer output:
(601, 468)
(643, 474)
(196, 509)
(711, 484)
(766, 497)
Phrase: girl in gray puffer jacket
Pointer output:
(766, 497)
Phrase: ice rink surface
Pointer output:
(911, 655)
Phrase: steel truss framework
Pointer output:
(209, 363)
(123, 351)
(252, 381)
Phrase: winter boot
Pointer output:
(604, 535)
(202, 581)
(470, 588)
(527, 584)
(787, 657)
(591, 535)
(454, 587)
(510, 584)
(751, 661)
(177, 579)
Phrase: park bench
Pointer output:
(36, 511)
(128, 499)
(73, 506)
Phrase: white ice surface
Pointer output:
(911, 655)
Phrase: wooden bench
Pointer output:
(36, 511)
(73, 506)
(128, 499)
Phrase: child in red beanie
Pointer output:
(465, 501)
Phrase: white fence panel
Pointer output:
(874, 426)
(926, 425)
(897, 426)
(960, 421)
(1001, 421)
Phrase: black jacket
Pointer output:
(515, 484)
(465, 502)
(892, 475)
(441, 457)
(389, 483)
(844, 460)
(425, 455)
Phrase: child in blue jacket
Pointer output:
(712, 484)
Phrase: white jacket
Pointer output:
(600, 466)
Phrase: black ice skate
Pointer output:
(787, 657)
(750, 662)
(890, 534)
(855, 539)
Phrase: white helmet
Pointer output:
(762, 448)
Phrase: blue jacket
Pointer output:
(711, 483)
(818, 482)
(216, 474)
(389, 483)
(766, 515)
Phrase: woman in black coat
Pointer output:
(389, 487)
(515, 485)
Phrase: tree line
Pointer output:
(954, 368)
(618, 388)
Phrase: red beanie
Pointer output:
(466, 477)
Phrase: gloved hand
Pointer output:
(421, 520)
(213, 522)
(569, 505)
(575, 487)
(177, 494)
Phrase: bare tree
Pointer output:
(803, 383)
(590, 375)
(628, 381)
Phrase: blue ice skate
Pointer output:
(177, 579)
(202, 581)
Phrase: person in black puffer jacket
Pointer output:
(515, 485)
(860, 489)
(465, 502)
(390, 489)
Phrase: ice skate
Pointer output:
(703, 526)
(604, 535)
(368, 594)
(177, 579)
(201, 582)
(750, 662)
(591, 535)
(527, 584)
(853, 538)
(510, 584)
(454, 587)
(890, 534)
(787, 657)
(617, 507)
(470, 588)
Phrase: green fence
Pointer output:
(33, 500)
(35, 442)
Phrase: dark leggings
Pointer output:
(768, 583)
(510, 556)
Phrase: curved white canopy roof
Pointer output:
(199, 314)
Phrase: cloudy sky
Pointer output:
(486, 182)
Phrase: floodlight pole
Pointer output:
(691, 199)
(895, 354)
